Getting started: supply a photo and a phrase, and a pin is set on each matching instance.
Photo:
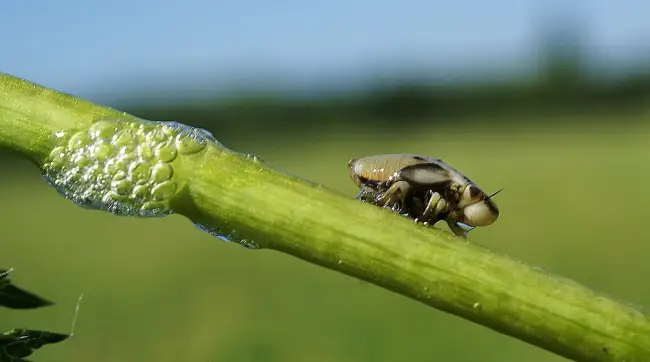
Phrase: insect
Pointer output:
(425, 189)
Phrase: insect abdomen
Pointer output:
(381, 168)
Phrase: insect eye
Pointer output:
(474, 191)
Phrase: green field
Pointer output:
(575, 202)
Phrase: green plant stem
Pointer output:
(31, 115)
(282, 212)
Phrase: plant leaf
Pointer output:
(19, 343)
(16, 298)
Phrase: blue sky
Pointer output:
(89, 48)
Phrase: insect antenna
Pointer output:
(491, 196)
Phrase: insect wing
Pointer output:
(426, 174)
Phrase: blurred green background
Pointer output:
(567, 143)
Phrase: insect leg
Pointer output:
(414, 207)
(394, 195)
(367, 194)
(436, 206)
(457, 229)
